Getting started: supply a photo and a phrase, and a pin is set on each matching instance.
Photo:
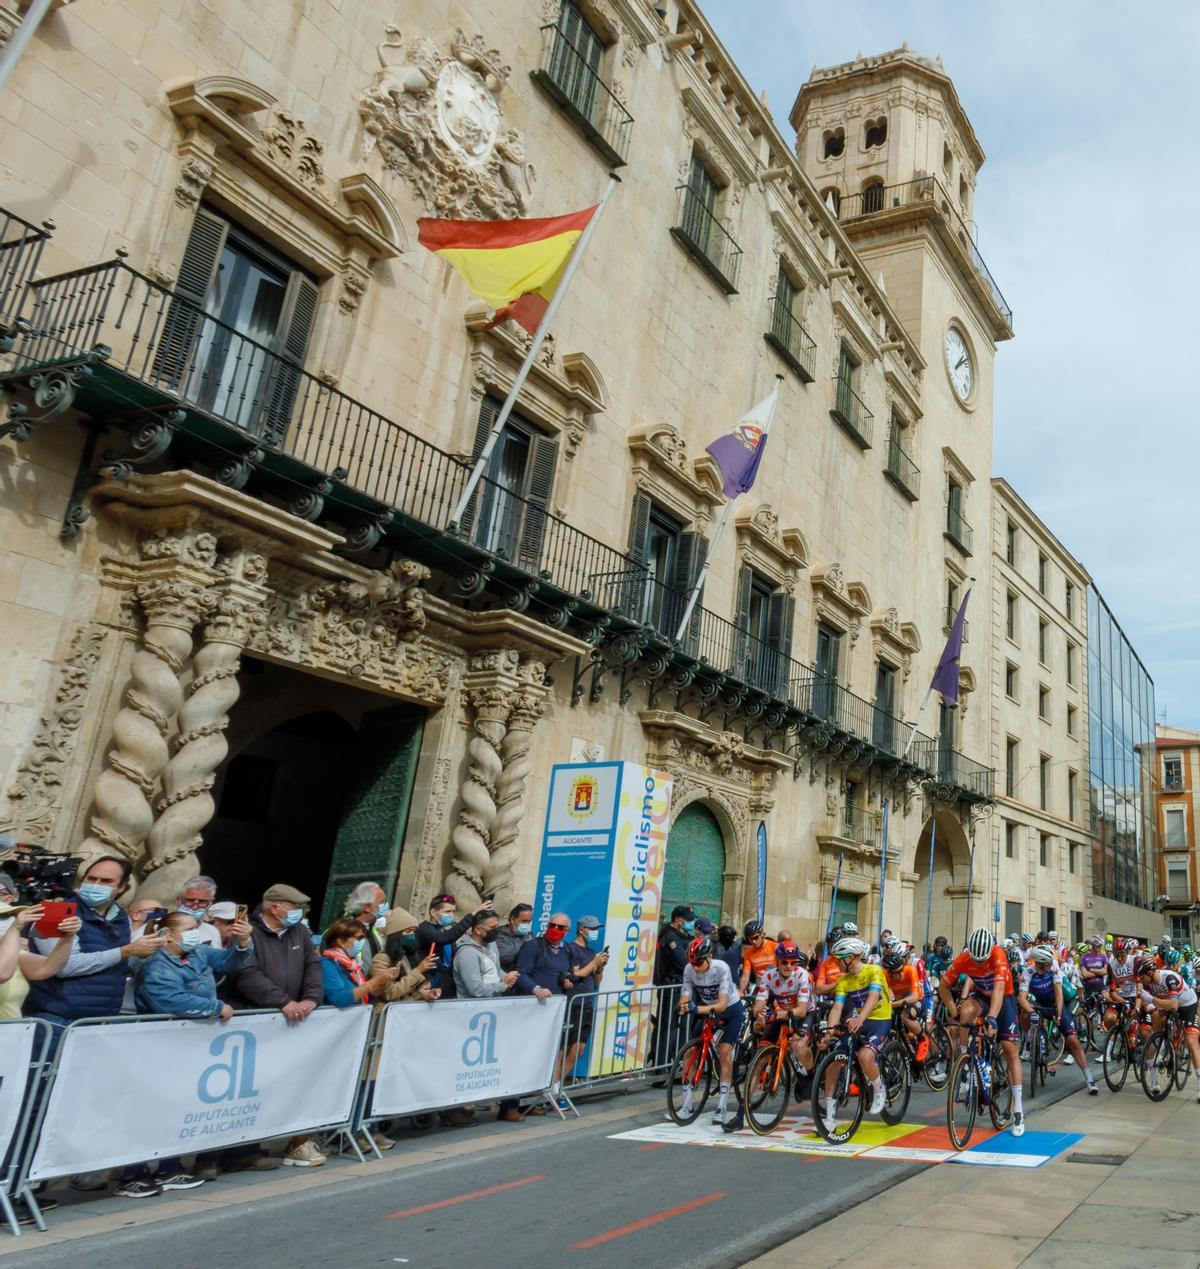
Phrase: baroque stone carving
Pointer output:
(35, 796)
(437, 122)
(296, 150)
(193, 180)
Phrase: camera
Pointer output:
(40, 874)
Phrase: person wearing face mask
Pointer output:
(477, 972)
(587, 967)
(196, 899)
(400, 950)
(367, 903)
(441, 932)
(513, 935)
(92, 982)
(345, 982)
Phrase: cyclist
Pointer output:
(710, 982)
(907, 997)
(1093, 970)
(864, 988)
(758, 953)
(985, 966)
(1168, 993)
(830, 969)
(937, 960)
(1042, 979)
(784, 995)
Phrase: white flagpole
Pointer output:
(531, 356)
(723, 523)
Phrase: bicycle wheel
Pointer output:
(897, 1079)
(767, 1089)
(1115, 1059)
(1000, 1102)
(1056, 1044)
(1158, 1066)
(962, 1100)
(1038, 1057)
(848, 1106)
(1183, 1059)
(1085, 1022)
(689, 1084)
(941, 1054)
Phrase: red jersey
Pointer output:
(983, 974)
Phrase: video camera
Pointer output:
(39, 873)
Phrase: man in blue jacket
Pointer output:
(92, 982)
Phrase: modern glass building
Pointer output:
(1121, 730)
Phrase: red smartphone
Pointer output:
(55, 911)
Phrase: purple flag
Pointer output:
(739, 452)
(945, 677)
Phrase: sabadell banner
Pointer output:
(603, 852)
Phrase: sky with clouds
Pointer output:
(1085, 207)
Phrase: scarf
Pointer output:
(348, 964)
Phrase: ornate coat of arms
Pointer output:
(436, 120)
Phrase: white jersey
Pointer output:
(1167, 982)
(1123, 979)
(709, 987)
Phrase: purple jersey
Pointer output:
(1094, 961)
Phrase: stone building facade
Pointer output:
(1176, 784)
(239, 628)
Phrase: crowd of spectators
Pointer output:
(203, 957)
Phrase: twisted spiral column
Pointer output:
(186, 805)
(477, 813)
(173, 594)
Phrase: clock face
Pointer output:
(958, 363)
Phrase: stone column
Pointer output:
(172, 589)
(528, 706)
(186, 806)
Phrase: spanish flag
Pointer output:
(515, 265)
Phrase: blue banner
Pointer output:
(762, 871)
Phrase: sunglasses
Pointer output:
(554, 925)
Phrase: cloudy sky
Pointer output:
(1086, 209)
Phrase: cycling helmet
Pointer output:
(1142, 965)
(751, 928)
(700, 949)
(787, 952)
(893, 960)
(845, 948)
(1043, 956)
(1052, 934)
(1081, 948)
(836, 932)
(850, 929)
(1095, 941)
(1171, 956)
(1027, 938)
(980, 943)
(941, 941)
(1012, 938)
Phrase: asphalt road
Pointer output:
(576, 1194)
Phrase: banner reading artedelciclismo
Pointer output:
(460, 1051)
(603, 852)
(124, 1092)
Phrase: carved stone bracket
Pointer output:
(661, 468)
(776, 553)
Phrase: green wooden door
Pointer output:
(375, 814)
(845, 908)
(694, 874)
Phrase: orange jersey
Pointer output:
(904, 983)
(758, 959)
(829, 971)
(982, 973)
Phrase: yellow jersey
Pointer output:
(854, 988)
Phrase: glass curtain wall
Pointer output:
(1121, 757)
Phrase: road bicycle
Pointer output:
(978, 1078)
(1043, 1026)
(1183, 1058)
(696, 1067)
(1166, 1061)
(851, 1092)
(1088, 1012)
(1123, 1048)
(935, 1068)
(771, 1076)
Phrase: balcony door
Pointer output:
(699, 209)
(578, 53)
(825, 666)
(946, 718)
(883, 729)
(664, 564)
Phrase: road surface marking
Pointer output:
(645, 1222)
(465, 1198)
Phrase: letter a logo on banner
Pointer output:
(238, 1072)
(480, 1050)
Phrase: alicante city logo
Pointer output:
(583, 798)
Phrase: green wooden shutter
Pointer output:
(282, 384)
(741, 619)
(485, 493)
(781, 617)
(370, 837)
(629, 590)
(185, 315)
(694, 869)
(691, 549)
(539, 483)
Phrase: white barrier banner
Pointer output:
(16, 1053)
(460, 1051)
(126, 1092)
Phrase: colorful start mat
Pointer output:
(914, 1143)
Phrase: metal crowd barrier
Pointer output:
(12, 1164)
(621, 1037)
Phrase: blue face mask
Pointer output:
(294, 917)
(689, 927)
(190, 939)
(592, 936)
(94, 895)
(524, 927)
(447, 918)
(357, 949)
(198, 913)
(408, 941)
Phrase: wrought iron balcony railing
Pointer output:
(901, 470)
(590, 104)
(790, 340)
(1173, 783)
(851, 412)
(20, 252)
(859, 825)
(927, 190)
(706, 239)
(958, 530)
(953, 768)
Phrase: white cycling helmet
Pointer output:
(980, 943)
(850, 928)
(1043, 956)
(843, 949)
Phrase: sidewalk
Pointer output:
(1144, 1210)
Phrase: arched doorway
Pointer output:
(694, 872)
(951, 853)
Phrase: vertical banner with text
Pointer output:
(603, 852)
